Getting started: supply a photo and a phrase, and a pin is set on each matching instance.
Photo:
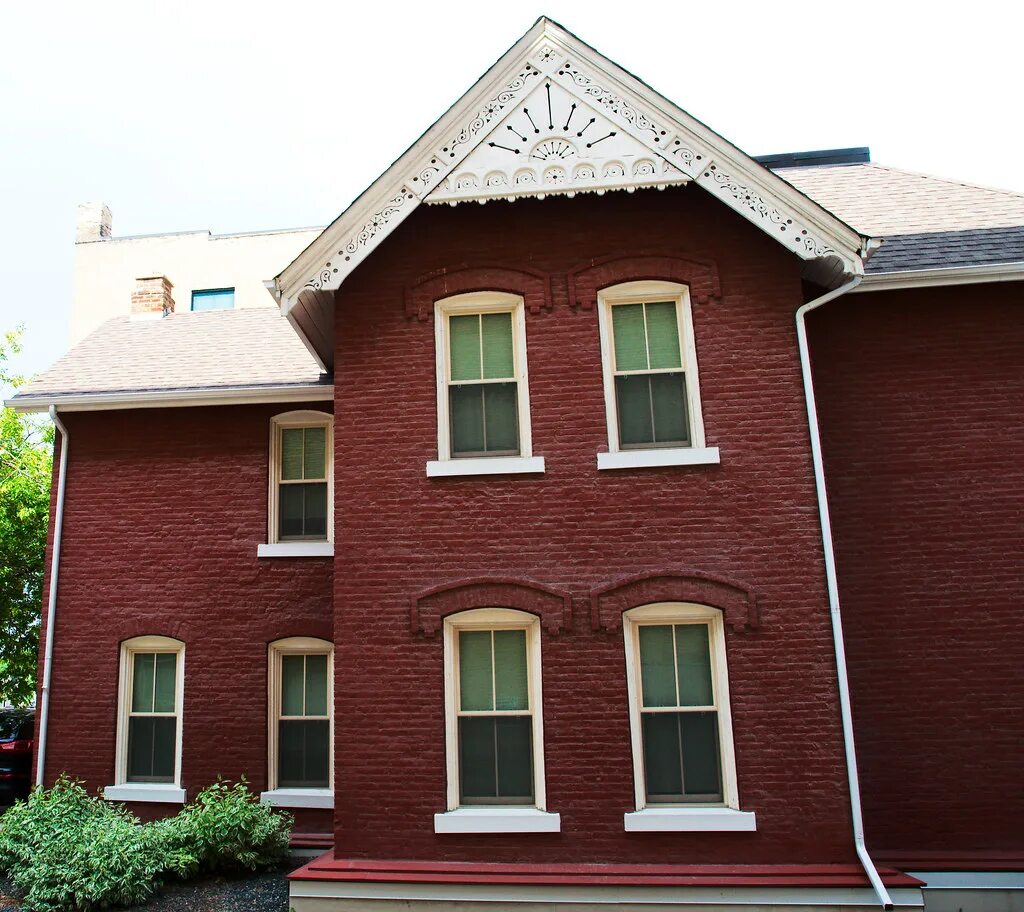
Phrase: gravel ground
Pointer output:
(260, 893)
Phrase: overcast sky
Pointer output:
(248, 115)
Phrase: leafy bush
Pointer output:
(64, 849)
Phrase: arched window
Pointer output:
(301, 723)
(149, 721)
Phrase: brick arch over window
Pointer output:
(700, 276)
(552, 606)
(132, 628)
(737, 602)
(533, 287)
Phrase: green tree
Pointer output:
(26, 444)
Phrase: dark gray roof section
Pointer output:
(949, 249)
(857, 155)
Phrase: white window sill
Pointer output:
(296, 549)
(298, 798)
(485, 465)
(690, 820)
(644, 459)
(145, 791)
(497, 820)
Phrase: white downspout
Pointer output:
(51, 604)
(833, 590)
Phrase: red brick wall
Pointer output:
(920, 396)
(164, 510)
(753, 519)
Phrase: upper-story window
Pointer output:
(483, 400)
(301, 477)
(652, 395)
(213, 299)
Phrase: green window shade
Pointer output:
(314, 459)
(292, 685)
(693, 658)
(143, 673)
(476, 678)
(496, 330)
(303, 753)
(657, 665)
(510, 670)
(291, 453)
(628, 334)
(464, 347)
(166, 668)
(151, 748)
(496, 759)
(316, 685)
(663, 335)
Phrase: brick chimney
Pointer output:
(94, 222)
(152, 295)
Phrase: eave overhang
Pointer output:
(649, 142)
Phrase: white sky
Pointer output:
(252, 115)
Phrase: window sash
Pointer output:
(127, 751)
(279, 720)
(322, 484)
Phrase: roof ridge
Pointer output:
(945, 180)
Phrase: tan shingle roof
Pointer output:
(878, 200)
(250, 347)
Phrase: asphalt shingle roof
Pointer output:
(946, 249)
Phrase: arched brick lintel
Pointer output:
(736, 601)
(429, 608)
(533, 287)
(700, 276)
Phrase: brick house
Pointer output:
(506, 548)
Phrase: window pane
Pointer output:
(657, 665)
(292, 679)
(662, 767)
(302, 510)
(497, 345)
(314, 459)
(464, 345)
(477, 759)
(303, 754)
(316, 685)
(633, 397)
(668, 394)
(466, 404)
(628, 336)
(501, 410)
(513, 735)
(510, 679)
(166, 666)
(663, 335)
(475, 677)
(143, 664)
(291, 453)
(151, 743)
(700, 753)
(693, 656)
(315, 506)
(213, 299)
(290, 507)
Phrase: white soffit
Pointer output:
(651, 143)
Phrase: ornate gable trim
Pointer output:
(429, 608)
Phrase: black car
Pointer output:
(17, 734)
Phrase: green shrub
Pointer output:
(66, 850)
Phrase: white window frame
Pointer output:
(646, 292)
(477, 818)
(296, 797)
(482, 302)
(122, 789)
(312, 548)
(659, 817)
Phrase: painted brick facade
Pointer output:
(752, 520)
(164, 510)
(920, 397)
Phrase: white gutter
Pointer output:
(947, 275)
(51, 605)
(833, 590)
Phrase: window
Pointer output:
(493, 694)
(652, 397)
(301, 714)
(213, 299)
(679, 706)
(149, 715)
(482, 388)
(301, 483)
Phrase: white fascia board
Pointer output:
(240, 395)
(954, 275)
